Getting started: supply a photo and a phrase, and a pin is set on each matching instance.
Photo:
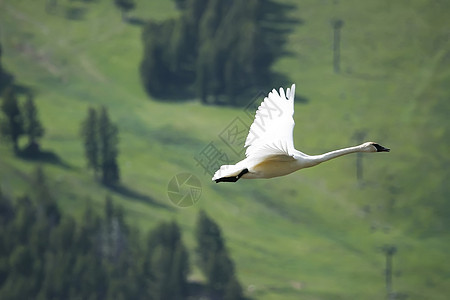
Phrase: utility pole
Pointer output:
(337, 25)
(389, 251)
(359, 137)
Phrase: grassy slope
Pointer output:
(303, 236)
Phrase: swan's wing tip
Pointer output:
(291, 92)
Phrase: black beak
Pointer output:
(381, 148)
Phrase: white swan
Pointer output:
(271, 151)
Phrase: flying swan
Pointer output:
(270, 147)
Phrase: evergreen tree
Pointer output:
(88, 229)
(100, 139)
(209, 240)
(108, 137)
(40, 259)
(219, 50)
(89, 133)
(12, 127)
(32, 126)
(6, 79)
(156, 74)
(168, 262)
(233, 290)
(213, 258)
(6, 210)
(114, 232)
(46, 204)
(16, 266)
(24, 220)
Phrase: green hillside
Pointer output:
(315, 234)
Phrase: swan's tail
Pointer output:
(229, 173)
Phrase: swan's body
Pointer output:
(271, 151)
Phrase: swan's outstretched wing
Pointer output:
(272, 130)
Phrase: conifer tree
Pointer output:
(32, 126)
(6, 210)
(209, 240)
(233, 290)
(6, 79)
(114, 232)
(12, 127)
(45, 201)
(108, 138)
(63, 261)
(88, 229)
(217, 50)
(168, 262)
(89, 133)
(24, 218)
(100, 139)
(213, 258)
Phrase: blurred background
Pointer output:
(115, 114)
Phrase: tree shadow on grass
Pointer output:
(138, 196)
(42, 156)
(135, 21)
(198, 290)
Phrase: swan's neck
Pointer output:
(317, 159)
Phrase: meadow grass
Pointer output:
(316, 234)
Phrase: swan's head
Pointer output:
(374, 147)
